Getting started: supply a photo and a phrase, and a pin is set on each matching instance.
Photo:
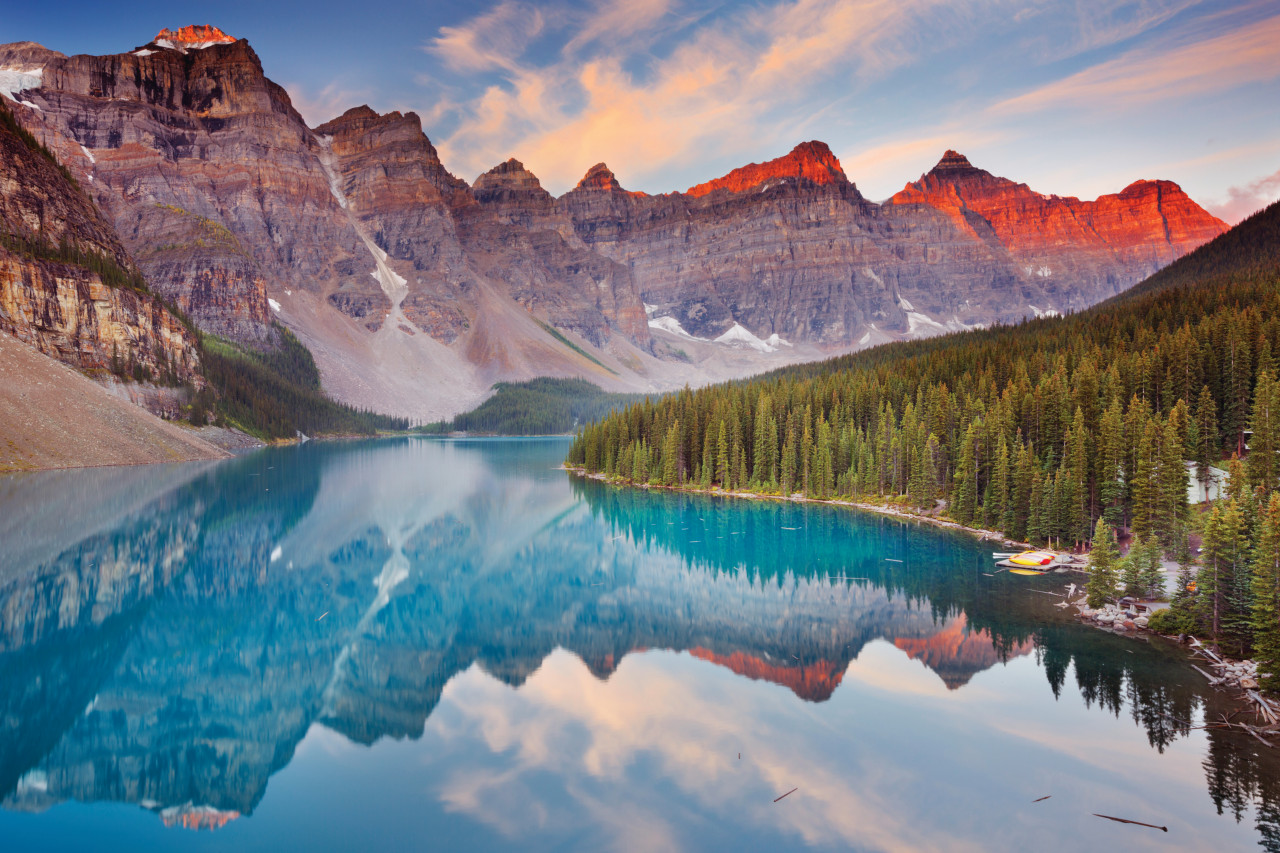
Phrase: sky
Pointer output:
(1072, 98)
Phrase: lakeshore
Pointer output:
(897, 512)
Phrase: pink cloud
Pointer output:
(1163, 71)
(1248, 199)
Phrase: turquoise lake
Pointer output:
(452, 645)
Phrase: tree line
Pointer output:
(543, 406)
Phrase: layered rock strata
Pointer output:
(55, 250)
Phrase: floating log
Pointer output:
(1134, 822)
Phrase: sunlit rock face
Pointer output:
(790, 247)
(812, 161)
(65, 309)
(1086, 249)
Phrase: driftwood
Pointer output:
(1134, 822)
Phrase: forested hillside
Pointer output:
(276, 393)
(1036, 430)
(542, 406)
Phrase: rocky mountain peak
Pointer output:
(511, 175)
(953, 161)
(599, 177)
(810, 160)
(194, 37)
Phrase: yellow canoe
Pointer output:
(1025, 572)
(1033, 558)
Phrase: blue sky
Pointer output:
(1070, 98)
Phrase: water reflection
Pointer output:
(172, 640)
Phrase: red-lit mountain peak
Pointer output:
(812, 160)
(194, 36)
(600, 177)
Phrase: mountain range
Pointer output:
(415, 290)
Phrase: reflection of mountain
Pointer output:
(176, 659)
(956, 653)
(815, 681)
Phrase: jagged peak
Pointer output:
(364, 116)
(510, 174)
(600, 177)
(952, 161)
(193, 37)
(510, 166)
(811, 160)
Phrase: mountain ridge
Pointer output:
(416, 290)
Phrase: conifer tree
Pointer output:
(722, 456)
(1102, 566)
(1264, 444)
(964, 497)
(1131, 568)
(672, 470)
(1265, 614)
(1224, 582)
(1151, 571)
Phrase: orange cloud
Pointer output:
(1159, 72)
(563, 117)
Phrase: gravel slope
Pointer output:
(53, 417)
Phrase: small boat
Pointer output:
(1029, 572)
(1034, 558)
(1039, 561)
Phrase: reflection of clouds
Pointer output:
(676, 717)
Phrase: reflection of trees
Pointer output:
(944, 572)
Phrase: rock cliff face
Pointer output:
(382, 262)
(1082, 250)
(790, 247)
(55, 250)
(416, 291)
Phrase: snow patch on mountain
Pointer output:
(15, 80)
(671, 325)
(738, 334)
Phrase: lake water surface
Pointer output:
(421, 644)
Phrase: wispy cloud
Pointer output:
(495, 39)
(1245, 200)
(333, 100)
(735, 72)
(1163, 71)
(613, 22)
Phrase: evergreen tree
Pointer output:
(1224, 582)
(964, 497)
(1264, 444)
(1265, 614)
(1102, 566)
(722, 456)
(1210, 444)
(1151, 576)
(672, 469)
